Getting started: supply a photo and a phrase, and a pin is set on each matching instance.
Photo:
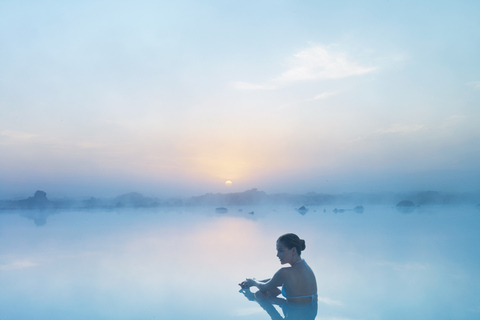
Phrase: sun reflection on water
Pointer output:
(186, 263)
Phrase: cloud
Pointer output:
(315, 63)
(402, 128)
(323, 96)
(396, 128)
(318, 63)
(18, 264)
(8, 136)
(474, 84)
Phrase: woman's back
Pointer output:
(300, 285)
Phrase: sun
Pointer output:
(228, 183)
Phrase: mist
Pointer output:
(100, 99)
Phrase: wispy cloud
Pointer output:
(318, 63)
(402, 128)
(315, 63)
(394, 129)
(475, 84)
(18, 264)
(323, 96)
(7, 136)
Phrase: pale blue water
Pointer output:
(185, 263)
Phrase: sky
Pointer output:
(174, 98)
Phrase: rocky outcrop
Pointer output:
(405, 206)
(302, 210)
(359, 209)
(38, 201)
(405, 203)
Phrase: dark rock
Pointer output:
(405, 206)
(38, 201)
(302, 210)
(405, 203)
(221, 210)
(40, 195)
(358, 209)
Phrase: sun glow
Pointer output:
(228, 183)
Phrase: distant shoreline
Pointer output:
(249, 197)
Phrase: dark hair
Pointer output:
(291, 240)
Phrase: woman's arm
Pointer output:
(250, 282)
(265, 285)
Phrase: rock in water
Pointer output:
(302, 210)
(358, 209)
(405, 203)
(405, 206)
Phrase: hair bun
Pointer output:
(291, 240)
(302, 244)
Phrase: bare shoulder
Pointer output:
(280, 276)
(284, 273)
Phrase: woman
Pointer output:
(298, 283)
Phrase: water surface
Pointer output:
(186, 263)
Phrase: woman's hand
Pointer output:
(249, 282)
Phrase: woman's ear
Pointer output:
(294, 250)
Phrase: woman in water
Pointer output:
(297, 282)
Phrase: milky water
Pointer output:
(186, 263)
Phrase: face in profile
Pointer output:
(284, 254)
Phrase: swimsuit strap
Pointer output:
(313, 296)
(298, 262)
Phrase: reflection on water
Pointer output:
(186, 263)
(267, 305)
(290, 311)
(39, 217)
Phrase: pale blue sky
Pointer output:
(175, 98)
